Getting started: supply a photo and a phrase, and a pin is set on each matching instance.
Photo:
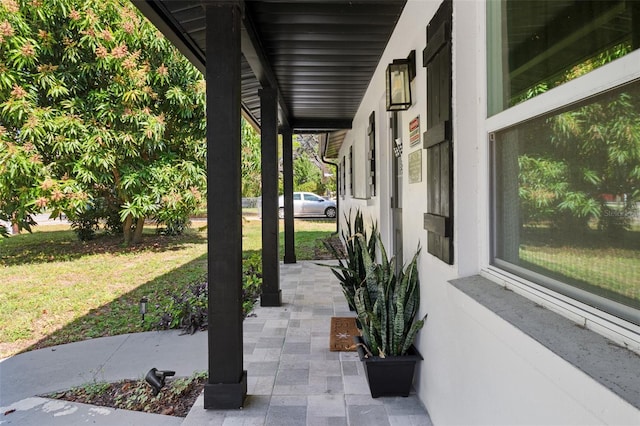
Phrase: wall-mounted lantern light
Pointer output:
(399, 75)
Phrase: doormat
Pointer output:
(341, 334)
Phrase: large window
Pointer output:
(567, 200)
(566, 183)
(535, 45)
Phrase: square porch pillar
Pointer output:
(287, 166)
(227, 384)
(271, 293)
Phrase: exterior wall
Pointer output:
(477, 368)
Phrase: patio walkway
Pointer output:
(293, 378)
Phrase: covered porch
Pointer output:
(287, 67)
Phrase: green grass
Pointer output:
(592, 260)
(55, 289)
(308, 237)
(605, 270)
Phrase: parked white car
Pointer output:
(309, 204)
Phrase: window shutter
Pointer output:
(438, 138)
(351, 175)
(343, 181)
(372, 153)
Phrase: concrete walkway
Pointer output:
(293, 378)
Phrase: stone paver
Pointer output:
(290, 367)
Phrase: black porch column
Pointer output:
(227, 385)
(271, 294)
(287, 165)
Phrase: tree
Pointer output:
(251, 165)
(306, 174)
(577, 161)
(308, 168)
(99, 112)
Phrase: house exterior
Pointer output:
(494, 356)
(514, 164)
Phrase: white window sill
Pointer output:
(611, 365)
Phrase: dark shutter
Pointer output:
(372, 153)
(343, 181)
(438, 139)
(351, 176)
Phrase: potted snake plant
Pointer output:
(387, 305)
(350, 270)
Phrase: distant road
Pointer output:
(43, 219)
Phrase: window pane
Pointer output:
(567, 196)
(535, 45)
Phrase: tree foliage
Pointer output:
(100, 115)
(578, 161)
(251, 162)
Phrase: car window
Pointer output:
(296, 197)
(310, 197)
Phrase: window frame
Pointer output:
(607, 77)
(562, 297)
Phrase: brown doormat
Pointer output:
(341, 334)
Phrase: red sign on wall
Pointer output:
(414, 131)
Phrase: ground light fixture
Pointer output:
(156, 379)
(143, 306)
(399, 75)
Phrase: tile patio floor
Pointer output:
(293, 378)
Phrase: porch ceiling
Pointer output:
(319, 54)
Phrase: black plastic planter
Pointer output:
(390, 376)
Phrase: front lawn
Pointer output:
(56, 289)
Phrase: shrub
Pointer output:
(189, 309)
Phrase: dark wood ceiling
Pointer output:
(320, 54)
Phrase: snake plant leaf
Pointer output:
(411, 335)
(351, 263)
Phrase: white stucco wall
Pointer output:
(477, 368)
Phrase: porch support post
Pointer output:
(287, 165)
(227, 384)
(271, 294)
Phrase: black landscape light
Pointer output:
(156, 378)
(143, 307)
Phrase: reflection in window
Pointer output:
(567, 198)
(535, 45)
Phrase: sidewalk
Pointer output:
(293, 378)
(110, 359)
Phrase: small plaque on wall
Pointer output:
(414, 131)
(415, 166)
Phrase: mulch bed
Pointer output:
(321, 253)
(136, 395)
